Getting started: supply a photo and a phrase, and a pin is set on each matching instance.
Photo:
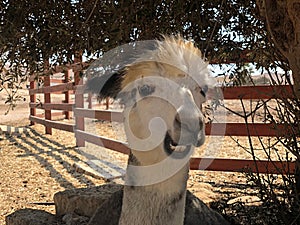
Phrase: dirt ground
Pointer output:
(34, 166)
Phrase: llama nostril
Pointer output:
(201, 124)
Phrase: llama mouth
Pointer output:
(173, 149)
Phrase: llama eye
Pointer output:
(204, 90)
(146, 90)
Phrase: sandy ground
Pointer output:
(34, 166)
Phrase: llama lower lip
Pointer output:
(173, 149)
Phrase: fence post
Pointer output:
(79, 100)
(67, 93)
(32, 86)
(47, 99)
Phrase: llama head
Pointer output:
(162, 91)
(161, 119)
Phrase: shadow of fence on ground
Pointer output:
(43, 150)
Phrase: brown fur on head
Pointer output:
(173, 58)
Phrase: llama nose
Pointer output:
(193, 126)
(190, 120)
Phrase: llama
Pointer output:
(162, 92)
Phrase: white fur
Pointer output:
(182, 55)
(153, 204)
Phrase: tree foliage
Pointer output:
(34, 31)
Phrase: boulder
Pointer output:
(74, 219)
(83, 201)
(102, 206)
(196, 212)
(31, 217)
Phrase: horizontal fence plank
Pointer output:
(242, 165)
(53, 106)
(57, 81)
(106, 115)
(242, 129)
(52, 80)
(257, 92)
(54, 114)
(103, 141)
(52, 124)
(51, 89)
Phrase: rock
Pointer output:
(31, 217)
(109, 212)
(105, 203)
(102, 206)
(74, 219)
(83, 201)
(196, 212)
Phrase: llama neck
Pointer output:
(159, 203)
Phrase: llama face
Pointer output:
(162, 116)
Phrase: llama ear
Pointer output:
(107, 85)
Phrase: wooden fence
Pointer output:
(66, 87)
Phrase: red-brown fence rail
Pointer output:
(67, 86)
(231, 129)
